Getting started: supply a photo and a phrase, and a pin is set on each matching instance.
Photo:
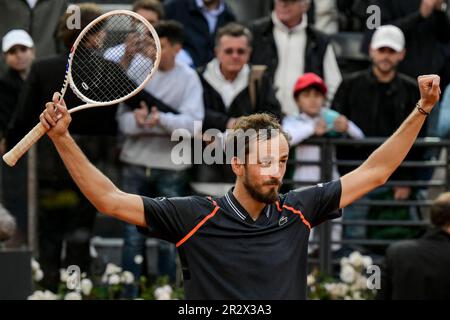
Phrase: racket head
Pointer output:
(95, 70)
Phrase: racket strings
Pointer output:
(113, 58)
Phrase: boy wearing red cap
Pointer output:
(315, 120)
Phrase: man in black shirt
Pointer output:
(251, 243)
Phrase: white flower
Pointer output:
(48, 295)
(138, 259)
(105, 278)
(73, 296)
(361, 283)
(111, 268)
(38, 275)
(127, 277)
(310, 280)
(356, 259)
(164, 296)
(344, 261)
(348, 274)
(367, 261)
(37, 295)
(83, 275)
(167, 289)
(86, 286)
(163, 293)
(337, 290)
(41, 295)
(114, 279)
(357, 295)
(35, 266)
(63, 275)
(341, 290)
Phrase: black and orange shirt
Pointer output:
(225, 254)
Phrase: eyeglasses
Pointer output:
(239, 51)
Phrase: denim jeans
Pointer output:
(150, 183)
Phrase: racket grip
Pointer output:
(23, 145)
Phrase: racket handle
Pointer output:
(23, 145)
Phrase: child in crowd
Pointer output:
(315, 120)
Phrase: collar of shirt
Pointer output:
(211, 16)
(228, 90)
(239, 210)
(301, 27)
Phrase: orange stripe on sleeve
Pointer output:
(193, 231)
(302, 217)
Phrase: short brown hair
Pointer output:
(151, 5)
(440, 210)
(264, 125)
(88, 12)
(234, 29)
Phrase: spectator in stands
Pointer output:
(377, 100)
(64, 215)
(146, 154)
(18, 50)
(232, 88)
(153, 11)
(200, 19)
(315, 120)
(39, 18)
(325, 16)
(289, 46)
(418, 269)
(426, 25)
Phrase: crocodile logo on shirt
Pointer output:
(282, 221)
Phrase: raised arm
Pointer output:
(377, 169)
(97, 188)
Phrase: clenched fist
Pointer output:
(429, 91)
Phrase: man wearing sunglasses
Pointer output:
(231, 88)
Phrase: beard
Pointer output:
(268, 197)
(386, 66)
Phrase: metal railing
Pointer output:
(325, 261)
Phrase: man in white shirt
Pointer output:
(290, 47)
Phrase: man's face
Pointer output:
(233, 53)
(169, 52)
(19, 58)
(149, 15)
(290, 12)
(386, 59)
(263, 179)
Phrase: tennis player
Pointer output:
(252, 242)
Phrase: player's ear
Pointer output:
(237, 166)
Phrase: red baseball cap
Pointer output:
(308, 80)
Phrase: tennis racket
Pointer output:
(112, 59)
